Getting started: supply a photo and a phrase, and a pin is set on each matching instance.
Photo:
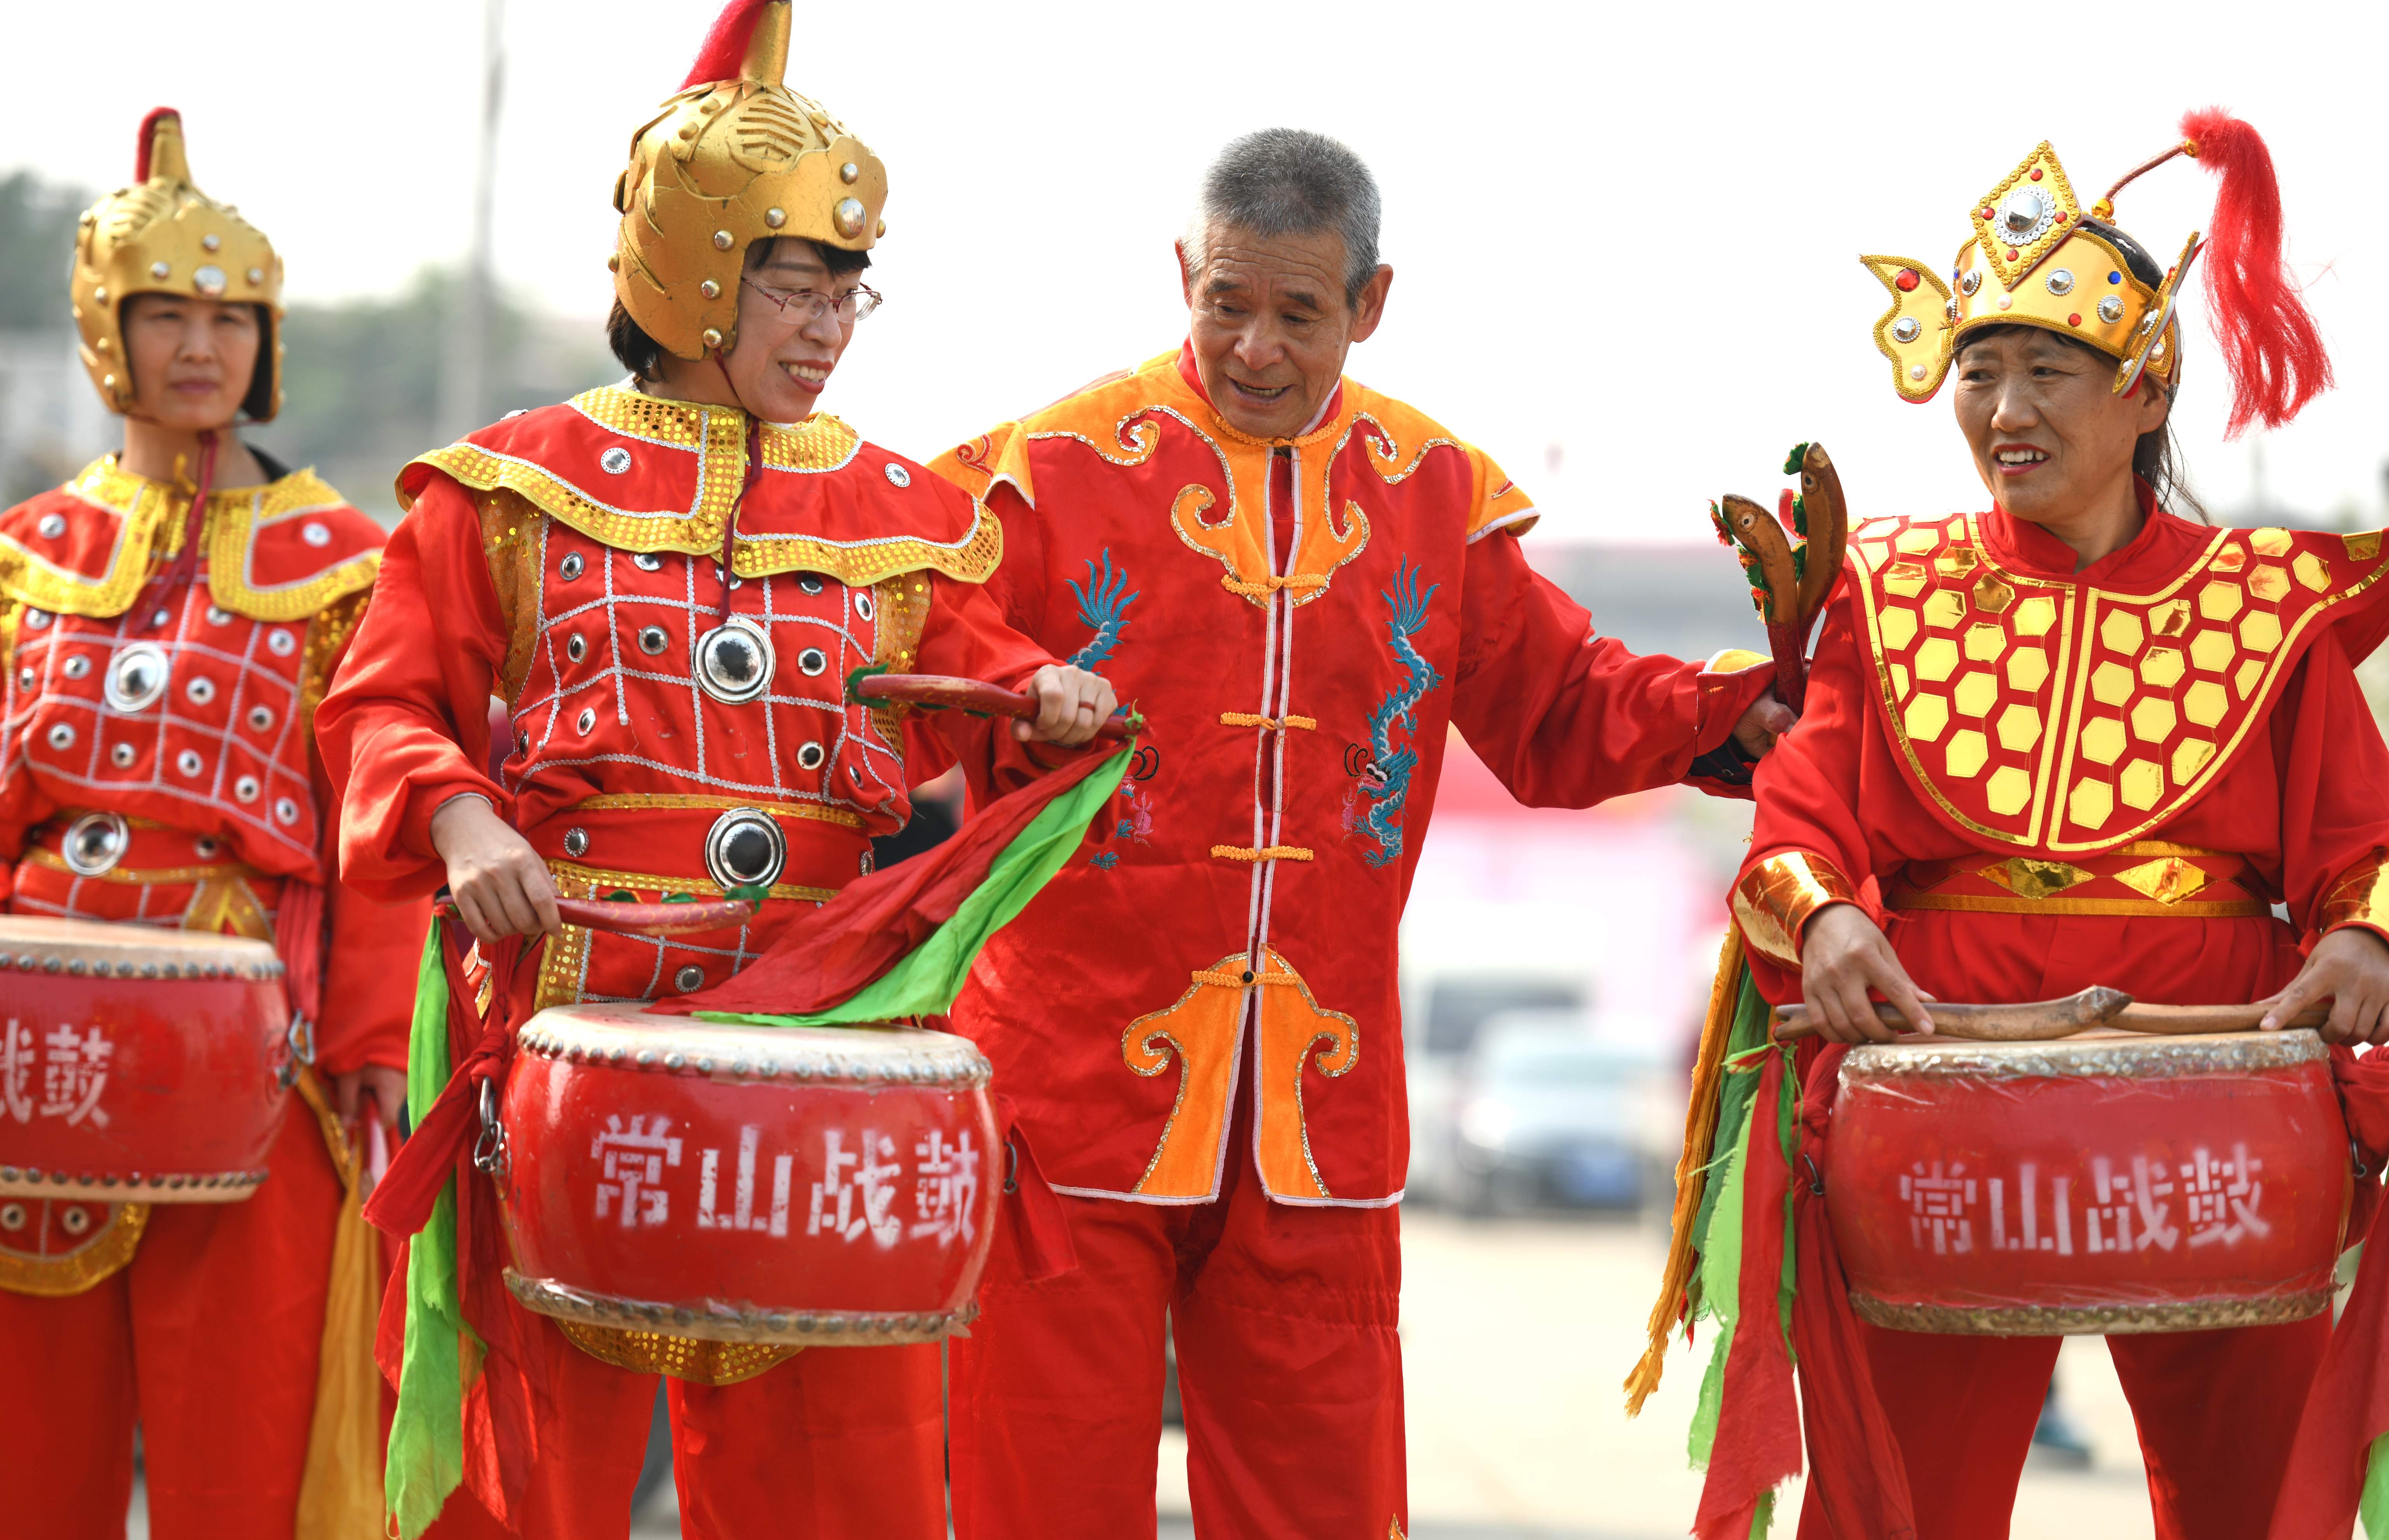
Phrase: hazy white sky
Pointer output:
(1624, 238)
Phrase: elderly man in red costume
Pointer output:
(667, 583)
(1306, 585)
(171, 617)
(2076, 739)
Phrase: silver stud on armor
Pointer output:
(189, 763)
(587, 719)
(94, 843)
(261, 718)
(569, 567)
(246, 789)
(122, 754)
(810, 756)
(285, 812)
(200, 691)
(576, 842)
(652, 640)
(688, 978)
(745, 848)
(647, 561)
(76, 1219)
(281, 644)
(808, 582)
(898, 475)
(734, 661)
(615, 461)
(136, 678)
(577, 648)
(812, 661)
(862, 606)
(76, 666)
(52, 526)
(316, 535)
(62, 736)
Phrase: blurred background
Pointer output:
(1625, 242)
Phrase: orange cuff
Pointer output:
(1775, 897)
(2361, 896)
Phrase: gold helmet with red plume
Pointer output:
(2037, 258)
(733, 159)
(163, 235)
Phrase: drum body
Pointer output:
(2094, 1185)
(825, 1187)
(137, 1065)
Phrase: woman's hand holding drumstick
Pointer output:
(1843, 955)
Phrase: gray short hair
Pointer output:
(1291, 181)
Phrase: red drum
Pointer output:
(2092, 1185)
(137, 1065)
(825, 1187)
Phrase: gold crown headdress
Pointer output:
(163, 235)
(735, 158)
(2038, 259)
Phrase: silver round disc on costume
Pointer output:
(745, 848)
(734, 661)
(136, 678)
(94, 843)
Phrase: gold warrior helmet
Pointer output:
(2037, 258)
(735, 158)
(163, 235)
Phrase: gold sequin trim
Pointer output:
(608, 801)
(566, 955)
(718, 436)
(689, 1358)
(150, 517)
(139, 876)
(108, 1250)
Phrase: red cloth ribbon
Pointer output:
(1032, 1221)
(1757, 1443)
(2349, 1406)
(402, 1201)
(824, 956)
(1855, 1471)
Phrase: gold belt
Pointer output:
(2147, 879)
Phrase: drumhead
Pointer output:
(2132, 1054)
(31, 943)
(627, 1036)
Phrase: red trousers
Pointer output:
(209, 1340)
(835, 1443)
(1288, 1368)
(2216, 1411)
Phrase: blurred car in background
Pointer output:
(1443, 1013)
(1548, 1109)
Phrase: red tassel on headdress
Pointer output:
(149, 127)
(725, 46)
(2269, 339)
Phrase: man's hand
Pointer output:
(1071, 703)
(500, 884)
(2350, 967)
(381, 1091)
(1842, 956)
(1768, 720)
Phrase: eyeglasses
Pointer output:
(806, 306)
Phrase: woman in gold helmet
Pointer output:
(596, 564)
(198, 803)
(2075, 739)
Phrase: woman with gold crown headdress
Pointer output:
(667, 582)
(169, 617)
(2076, 740)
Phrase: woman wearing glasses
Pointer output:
(667, 583)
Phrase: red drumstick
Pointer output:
(630, 919)
(939, 692)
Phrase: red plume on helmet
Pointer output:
(2268, 338)
(724, 49)
(148, 134)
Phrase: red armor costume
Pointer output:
(1221, 1102)
(680, 729)
(158, 767)
(2038, 775)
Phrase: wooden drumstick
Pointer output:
(2032, 1021)
(2189, 1020)
(939, 690)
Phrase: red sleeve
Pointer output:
(371, 951)
(1808, 787)
(406, 725)
(2333, 768)
(1567, 717)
